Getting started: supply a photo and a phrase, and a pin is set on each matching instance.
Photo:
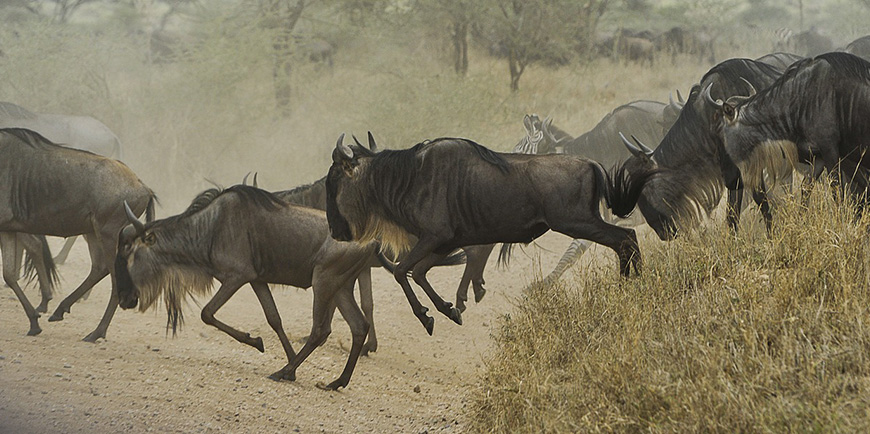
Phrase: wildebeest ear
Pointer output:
(341, 152)
(529, 124)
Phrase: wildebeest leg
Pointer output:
(272, 316)
(358, 329)
(622, 240)
(759, 196)
(809, 180)
(475, 263)
(421, 250)
(97, 274)
(574, 252)
(107, 245)
(9, 248)
(64, 251)
(368, 307)
(34, 248)
(225, 292)
(321, 320)
(735, 203)
(419, 275)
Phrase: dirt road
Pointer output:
(141, 379)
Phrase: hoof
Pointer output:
(331, 386)
(428, 324)
(455, 315)
(258, 344)
(42, 308)
(369, 348)
(34, 331)
(282, 376)
(478, 294)
(58, 314)
(92, 338)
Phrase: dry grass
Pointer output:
(720, 333)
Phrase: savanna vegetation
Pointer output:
(720, 333)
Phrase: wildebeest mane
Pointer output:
(311, 195)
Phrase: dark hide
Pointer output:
(816, 112)
(451, 193)
(779, 60)
(51, 190)
(691, 163)
(38, 263)
(244, 235)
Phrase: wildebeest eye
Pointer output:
(150, 239)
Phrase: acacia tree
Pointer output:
(533, 31)
(281, 16)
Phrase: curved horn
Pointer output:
(245, 179)
(631, 146)
(255, 180)
(680, 98)
(646, 149)
(140, 228)
(372, 145)
(752, 90)
(673, 104)
(706, 94)
(341, 150)
(355, 141)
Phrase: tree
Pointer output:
(281, 16)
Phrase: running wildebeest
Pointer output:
(245, 235)
(649, 120)
(78, 132)
(53, 190)
(691, 163)
(451, 193)
(815, 113)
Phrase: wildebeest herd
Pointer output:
(745, 124)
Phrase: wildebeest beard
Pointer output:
(171, 283)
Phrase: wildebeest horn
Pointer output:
(673, 103)
(752, 90)
(706, 94)
(255, 180)
(356, 141)
(372, 145)
(140, 228)
(680, 98)
(245, 179)
(631, 146)
(341, 150)
(646, 149)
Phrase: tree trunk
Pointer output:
(284, 22)
(516, 67)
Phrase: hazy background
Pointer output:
(214, 89)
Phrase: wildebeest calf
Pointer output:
(245, 235)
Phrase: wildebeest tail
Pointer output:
(504, 254)
(30, 265)
(621, 189)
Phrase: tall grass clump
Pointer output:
(719, 334)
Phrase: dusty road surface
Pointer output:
(141, 379)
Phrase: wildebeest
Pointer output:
(238, 236)
(779, 60)
(78, 132)
(52, 190)
(648, 119)
(859, 47)
(635, 49)
(692, 166)
(451, 193)
(677, 40)
(816, 112)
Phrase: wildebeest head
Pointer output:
(142, 267)
(349, 197)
